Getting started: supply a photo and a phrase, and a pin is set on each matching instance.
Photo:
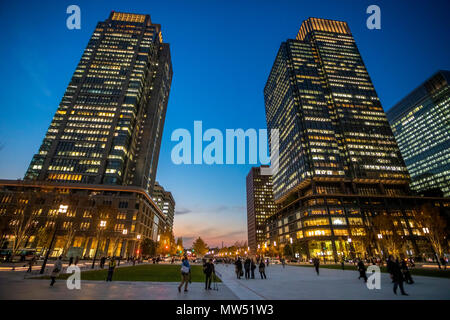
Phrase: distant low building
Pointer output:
(166, 203)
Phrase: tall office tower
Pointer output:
(421, 125)
(166, 203)
(339, 163)
(260, 206)
(109, 124)
(331, 124)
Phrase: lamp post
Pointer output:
(62, 210)
(101, 227)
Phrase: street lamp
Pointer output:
(380, 236)
(62, 210)
(125, 231)
(102, 225)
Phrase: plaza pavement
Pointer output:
(13, 286)
(302, 283)
(292, 283)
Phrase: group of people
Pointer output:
(249, 266)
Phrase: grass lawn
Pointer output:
(144, 272)
(414, 272)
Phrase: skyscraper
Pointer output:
(339, 163)
(260, 206)
(421, 125)
(90, 183)
(332, 126)
(108, 126)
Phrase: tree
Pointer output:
(167, 243)
(390, 231)
(200, 247)
(179, 245)
(287, 251)
(148, 247)
(433, 227)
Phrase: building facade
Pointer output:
(109, 124)
(34, 208)
(165, 201)
(421, 125)
(99, 158)
(339, 163)
(260, 206)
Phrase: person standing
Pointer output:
(283, 262)
(57, 268)
(111, 267)
(76, 260)
(185, 271)
(396, 275)
(316, 262)
(238, 268)
(343, 264)
(208, 270)
(253, 267)
(247, 268)
(262, 270)
(70, 261)
(362, 270)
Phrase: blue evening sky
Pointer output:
(222, 52)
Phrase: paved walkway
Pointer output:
(291, 283)
(302, 283)
(13, 286)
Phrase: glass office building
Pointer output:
(421, 125)
(339, 163)
(98, 160)
(109, 124)
(260, 206)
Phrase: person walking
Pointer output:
(209, 271)
(406, 273)
(262, 269)
(247, 264)
(252, 268)
(57, 268)
(31, 263)
(283, 262)
(102, 262)
(316, 262)
(185, 271)
(238, 268)
(343, 264)
(396, 275)
(362, 270)
(76, 260)
(70, 261)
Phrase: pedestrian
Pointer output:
(208, 270)
(267, 262)
(444, 263)
(70, 261)
(185, 271)
(283, 262)
(238, 268)
(57, 268)
(262, 270)
(406, 273)
(134, 261)
(76, 260)
(396, 275)
(111, 267)
(316, 262)
(247, 264)
(253, 267)
(343, 264)
(102, 262)
(31, 263)
(362, 270)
